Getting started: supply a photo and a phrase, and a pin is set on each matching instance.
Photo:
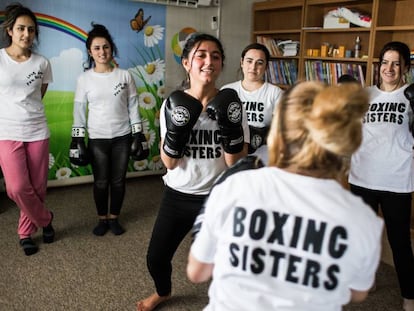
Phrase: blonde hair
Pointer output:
(316, 128)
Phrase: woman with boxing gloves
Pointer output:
(258, 96)
(24, 134)
(203, 131)
(382, 168)
(106, 108)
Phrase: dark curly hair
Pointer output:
(194, 40)
(98, 31)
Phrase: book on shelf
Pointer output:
(282, 71)
(270, 44)
(329, 72)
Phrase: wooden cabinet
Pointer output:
(302, 21)
(277, 21)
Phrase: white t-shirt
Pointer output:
(22, 113)
(203, 159)
(260, 105)
(282, 241)
(384, 161)
(111, 100)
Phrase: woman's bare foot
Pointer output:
(408, 304)
(151, 302)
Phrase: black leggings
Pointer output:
(109, 165)
(396, 211)
(175, 219)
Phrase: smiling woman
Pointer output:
(199, 141)
(106, 111)
(381, 169)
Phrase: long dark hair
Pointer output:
(12, 13)
(402, 49)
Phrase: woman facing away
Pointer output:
(24, 134)
(258, 96)
(382, 168)
(289, 236)
(203, 131)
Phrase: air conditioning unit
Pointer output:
(208, 2)
(183, 3)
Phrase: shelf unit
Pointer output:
(302, 20)
(280, 20)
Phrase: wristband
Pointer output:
(136, 128)
(78, 132)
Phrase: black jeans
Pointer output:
(175, 219)
(396, 211)
(109, 159)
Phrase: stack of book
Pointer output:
(279, 47)
(289, 47)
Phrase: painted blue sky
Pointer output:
(67, 53)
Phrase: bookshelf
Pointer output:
(303, 21)
(278, 21)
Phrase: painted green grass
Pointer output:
(59, 114)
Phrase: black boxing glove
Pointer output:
(226, 108)
(409, 94)
(139, 146)
(78, 153)
(258, 137)
(181, 113)
(247, 163)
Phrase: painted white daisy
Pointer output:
(150, 136)
(146, 100)
(51, 160)
(154, 71)
(63, 173)
(162, 92)
(140, 165)
(152, 35)
(156, 163)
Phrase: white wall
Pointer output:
(234, 32)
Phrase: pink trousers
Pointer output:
(25, 167)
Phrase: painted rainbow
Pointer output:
(57, 24)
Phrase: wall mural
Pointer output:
(138, 30)
(178, 41)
